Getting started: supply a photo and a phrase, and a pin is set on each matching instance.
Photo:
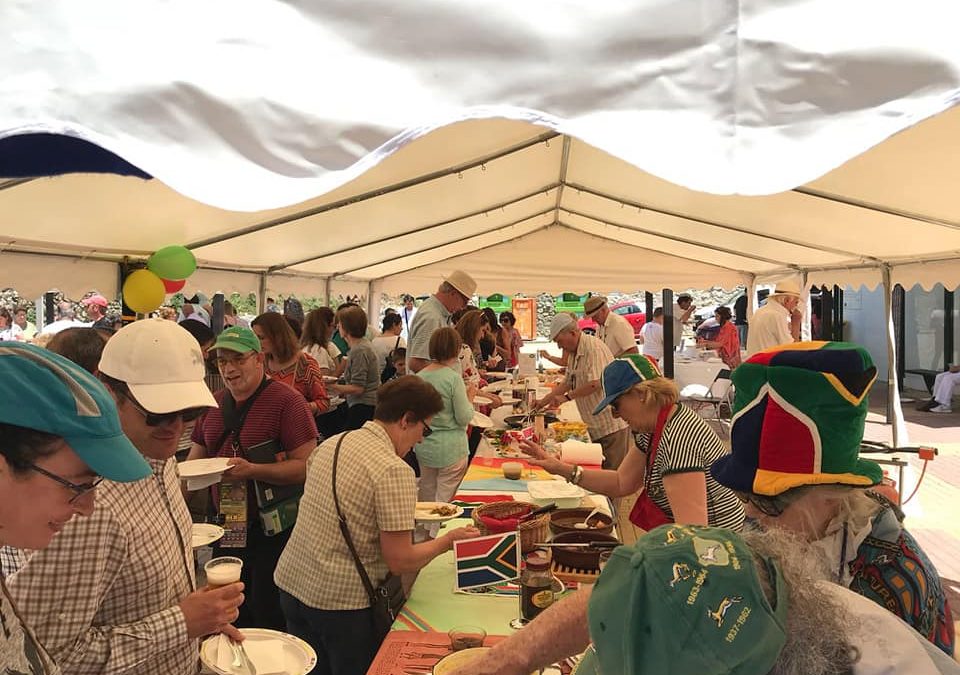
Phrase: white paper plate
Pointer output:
(494, 375)
(481, 421)
(210, 466)
(422, 513)
(204, 534)
(303, 653)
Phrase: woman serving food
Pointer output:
(672, 461)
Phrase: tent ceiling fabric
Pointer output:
(588, 146)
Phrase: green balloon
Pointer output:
(172, 262)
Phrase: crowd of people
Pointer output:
(332, 433)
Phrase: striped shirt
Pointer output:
(586, 365)
(377, 492)
(689, 444)
(104, 596)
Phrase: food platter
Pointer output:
(424, 512)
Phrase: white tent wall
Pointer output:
(33, 275)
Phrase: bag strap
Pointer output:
(662, 418)
(233, 419)
(345, 531)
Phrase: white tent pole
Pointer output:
(805, 303)
(327, 300)
(751, 299)
(894, 413)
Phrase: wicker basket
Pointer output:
(532, 531)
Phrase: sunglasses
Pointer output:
(156, 419)
(426, 430)
(78, 489)
(768, 506)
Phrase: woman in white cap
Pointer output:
(61, 437)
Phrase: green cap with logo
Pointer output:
(687, 599)
(237, 339)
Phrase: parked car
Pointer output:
(630, 311)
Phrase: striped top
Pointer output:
(586, 365)
(689, 444)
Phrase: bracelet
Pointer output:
(576, 476)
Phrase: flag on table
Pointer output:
(487, 560)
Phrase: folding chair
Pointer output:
(719, 396)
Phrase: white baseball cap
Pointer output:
(561, 322)
(161, 363)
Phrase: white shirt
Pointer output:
(652, 334)
(769, 327)
(678, 311)
(617, 333)
(327, 358)
(406, 320)
(62, 324)
(385, 344)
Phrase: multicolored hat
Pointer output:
(687, 599)
(798, 419)
(624, 372)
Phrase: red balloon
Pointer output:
(172, 286)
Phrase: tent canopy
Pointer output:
(583, 149)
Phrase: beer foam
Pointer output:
(223, 574)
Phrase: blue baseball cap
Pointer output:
(47, 392)
(622, 373)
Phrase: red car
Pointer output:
(630, 311)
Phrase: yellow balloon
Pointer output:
(143, 291)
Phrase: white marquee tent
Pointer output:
(541, 146)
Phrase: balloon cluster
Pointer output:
(167, 272)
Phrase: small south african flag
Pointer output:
(487, 560)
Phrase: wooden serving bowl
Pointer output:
(579, 558)
(562, 520)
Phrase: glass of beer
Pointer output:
(223, 571)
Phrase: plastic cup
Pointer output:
(223, 571)
(512, 470)
(466, 637)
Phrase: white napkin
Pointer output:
(578, 452)
(269, 657)
(201, 482)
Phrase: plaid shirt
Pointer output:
(11, 559)
(586, 365)
(377, 492)
(103, 597)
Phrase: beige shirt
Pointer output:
(769, 327)
(586, 365)
(20, 652)
(377, 492)
(617, 333)
(103, 597)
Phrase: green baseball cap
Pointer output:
(687, 599)
(237, 339)
(47, 392)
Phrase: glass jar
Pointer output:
(536, 585)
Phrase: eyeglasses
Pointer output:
(233, 361)
(768, 506)
(156, 419)
(78, 489)
(426, 430)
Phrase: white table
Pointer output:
(703, 373)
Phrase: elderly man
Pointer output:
(612, 329)
(778, 321)
(258, 419)
(66, 318)
(97, 312)
(587, 357)
(709, 601)
(453, 295)
(115, 592)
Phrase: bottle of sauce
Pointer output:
(536, 592)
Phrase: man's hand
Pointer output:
(210, 610)
(241, 469)
(461, 533)
(539, 457)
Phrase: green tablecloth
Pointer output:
(435, 606)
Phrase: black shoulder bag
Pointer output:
(387, 600)
(389, 370)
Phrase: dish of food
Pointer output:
(436, 512)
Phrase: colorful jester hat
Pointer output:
(799, 412)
